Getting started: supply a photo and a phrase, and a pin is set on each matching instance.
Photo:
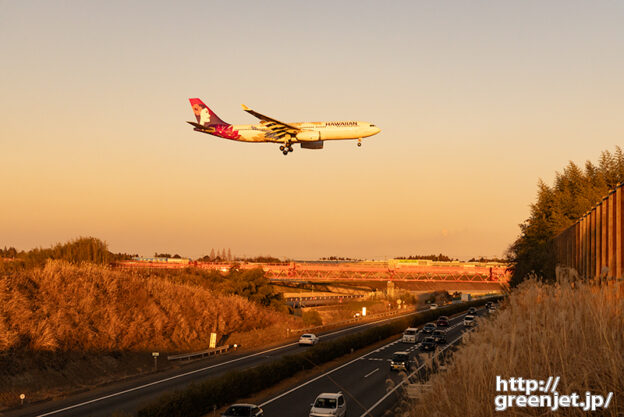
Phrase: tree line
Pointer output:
(574, 192)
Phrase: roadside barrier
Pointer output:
(202, 353)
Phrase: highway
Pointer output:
(365, 381)
(128, 396)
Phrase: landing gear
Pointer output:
(286, 149)
(359, 142)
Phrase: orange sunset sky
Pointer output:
(476, 102)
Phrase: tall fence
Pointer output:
(594, 243)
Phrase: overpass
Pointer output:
(493, 276)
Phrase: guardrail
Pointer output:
(207, 352)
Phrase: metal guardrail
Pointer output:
(207, 352)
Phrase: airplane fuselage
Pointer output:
(310, 132)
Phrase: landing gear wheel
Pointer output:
(285, 152)
(290, 149)
(282, 148)
(359, 143)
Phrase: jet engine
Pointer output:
(312, 145)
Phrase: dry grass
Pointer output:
(544, 330)
(61, 321)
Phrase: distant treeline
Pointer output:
(83, 249)
(437, 258)
(338, 258)
(484, 260)
(574, 192)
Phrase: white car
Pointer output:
(469, 320)
(329, 404)
(410, 335)
(308, 339)
(433, 306)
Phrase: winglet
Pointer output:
(245, 107)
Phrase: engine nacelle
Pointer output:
(312, 145)
(309, 135)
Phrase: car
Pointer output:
(429, 343)
(428, 328)
(329, 404)
(357, 315)
(442, 321)
(400, 361)
(243, 410)
(469, 321)
(433, 306)
(439, 336)
(491, 309)
(472, 310)
(308, 339)
(489, 304)
(410, 335)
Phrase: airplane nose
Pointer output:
(376, 130)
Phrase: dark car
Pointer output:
(400, 361)
(472, 310)
(442, 321)
(439, 336)
(428, 328)
(243, 410)
(488, 305)
(429, 344)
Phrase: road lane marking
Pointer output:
(370, 373)
(116, 394)
(349, 363)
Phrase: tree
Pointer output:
(573, 193)
(229, 255)
(212, 254)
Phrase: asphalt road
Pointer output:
(129, 396)
(365, 381)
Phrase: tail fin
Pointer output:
(204, 115)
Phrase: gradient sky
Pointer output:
(477, 100)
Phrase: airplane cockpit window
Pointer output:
(372, 125)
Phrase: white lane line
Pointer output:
(370, 373)
(367, 412)
(115, 394)
(314, 379)
(409, 376)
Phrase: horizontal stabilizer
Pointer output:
(202, 128)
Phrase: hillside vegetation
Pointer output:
(64, 307)
(545, 330)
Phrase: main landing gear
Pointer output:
(286, 149)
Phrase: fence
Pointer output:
(593, 245)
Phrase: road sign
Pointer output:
(213, 341)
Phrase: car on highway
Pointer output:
(243, 410)
(443, 321)
(308, 339)
(410, 335)
(400, 361)
(433, 306)
(428, 328)
(429, 343)
(472, 310)
(469, 321)
(329, 404)
(488, 305)
(439, 336)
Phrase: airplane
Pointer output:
(310, 135)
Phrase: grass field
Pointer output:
(543, 330)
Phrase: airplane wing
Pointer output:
(279, 129)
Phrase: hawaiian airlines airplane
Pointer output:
(309, 134)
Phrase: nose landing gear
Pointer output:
(359, 142)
